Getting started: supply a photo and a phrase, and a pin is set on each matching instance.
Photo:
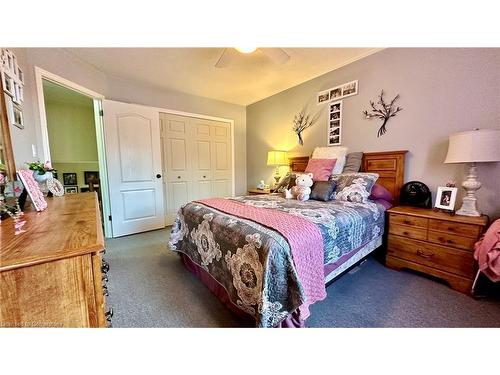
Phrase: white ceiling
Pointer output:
(248, 79)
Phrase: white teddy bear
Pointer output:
(302, 188)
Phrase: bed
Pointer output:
(268, 258)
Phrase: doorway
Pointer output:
(72, 137)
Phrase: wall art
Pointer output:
(302, 121)
(334, 127)
(382, 111)
(338, 92)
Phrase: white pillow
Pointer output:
(335, 152)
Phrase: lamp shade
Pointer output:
(475, 146)
(276, 158)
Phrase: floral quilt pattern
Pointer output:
(254, 263)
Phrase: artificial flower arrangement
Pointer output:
(41, 168)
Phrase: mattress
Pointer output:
(254, 264)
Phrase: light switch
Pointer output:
(33, 150)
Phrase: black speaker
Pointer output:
(417, 194)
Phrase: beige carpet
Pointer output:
(149, 287)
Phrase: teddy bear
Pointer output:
(302, 188)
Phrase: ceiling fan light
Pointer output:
(246, 49)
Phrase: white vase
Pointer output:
(41, 178)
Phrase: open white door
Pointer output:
(133, 150)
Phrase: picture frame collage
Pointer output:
(13, 85)
(334, 127)
(338, 92)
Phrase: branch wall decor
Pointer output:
(302, 121)
(383, 111)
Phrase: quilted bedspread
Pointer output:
(254, 262)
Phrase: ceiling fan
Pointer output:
(277, 55)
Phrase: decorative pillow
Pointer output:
(322, 190)
(384, 203)
(354, 187)
(353, 162)
(380, 192)
(320, 168)
(335, 152)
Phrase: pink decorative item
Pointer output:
(320, 168)
(33, 189)
(487, 252)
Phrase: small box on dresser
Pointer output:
(434, 243)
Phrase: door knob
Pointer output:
(158, 175)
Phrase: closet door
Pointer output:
(177, 137)
(202, 159)
(221, 159)
(196, 159)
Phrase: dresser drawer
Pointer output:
(446, 239)
(450, 227)
(439, 257)
(407, 220)
(408, 231)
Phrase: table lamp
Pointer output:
(277, 159)
(475, 146)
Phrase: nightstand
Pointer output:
(260, 192)
(434, 243)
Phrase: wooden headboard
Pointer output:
(390, 165)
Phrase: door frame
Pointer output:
(214, 118)
(40, 75)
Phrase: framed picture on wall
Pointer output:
(323, 96)
(349, 89)
(334, 125)
(69, 179)
(91, 175)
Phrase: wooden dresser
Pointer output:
(53, 274)
(434, 243)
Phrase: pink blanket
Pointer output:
(304, 238)
(487, 252)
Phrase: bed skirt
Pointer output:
(293, 320)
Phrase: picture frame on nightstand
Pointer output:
(445, 198)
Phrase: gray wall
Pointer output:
(442, 91)
(66, 65)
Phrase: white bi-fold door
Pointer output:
(197, 160)
(133, 155)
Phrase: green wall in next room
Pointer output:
(71, 129)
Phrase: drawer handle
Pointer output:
(423, 254)
(407, 222)
(444, 240)
(406, 233)
(105, 267)
(178, 176)
(109, 314)
(451, 229)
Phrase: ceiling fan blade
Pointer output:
(225, 58)
(278, 55)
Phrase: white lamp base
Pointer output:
(471, 185)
